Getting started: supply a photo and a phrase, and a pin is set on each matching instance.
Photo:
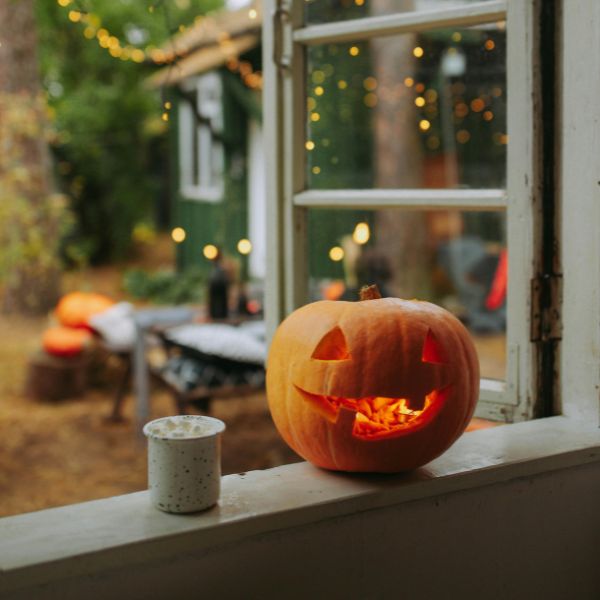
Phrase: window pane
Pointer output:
(408, 111)
(453, 258)
(328, 11)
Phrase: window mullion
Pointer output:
(408, 22)
(522, 192)
(418, 199)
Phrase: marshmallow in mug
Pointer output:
(184, 462)
(182, 426)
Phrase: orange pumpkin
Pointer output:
(76, 308)
(65, 341)
(380, 385)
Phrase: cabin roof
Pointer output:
(213, 40)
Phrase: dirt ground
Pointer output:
(52, 454)
(61, 453)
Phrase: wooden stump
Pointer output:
(56, 378)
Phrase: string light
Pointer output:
(244, 246)
(336, 254)
(424, 124)
(310, 145)
(488, 115)
(342, 85)
(420, 101)
(463, 136)
(370, 84)
(362, 233)
(418, 51)
(477, 105)
(210, 251)
(489, 44)
(409, 81)
(178, 235)
(354, 51)
(319, 91)
(252, 79)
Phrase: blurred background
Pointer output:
(133, 168)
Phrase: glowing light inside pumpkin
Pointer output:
(377, 416)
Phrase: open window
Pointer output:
(410, 125)
(200, 146)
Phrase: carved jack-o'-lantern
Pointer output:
(380, 385)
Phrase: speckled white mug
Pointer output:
(184, 462)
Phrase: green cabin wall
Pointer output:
(221, 223)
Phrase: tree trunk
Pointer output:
(401, 235)
(29, 271)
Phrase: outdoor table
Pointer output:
(145, 320)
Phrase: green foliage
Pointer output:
(166, 287)
(111, 142)
(31, 224)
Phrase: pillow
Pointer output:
(225, 341)
(116, 326)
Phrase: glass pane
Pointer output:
(455, 259)
(328, 11)
(409, 111)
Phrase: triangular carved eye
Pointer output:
(432, 350)
(332, 346)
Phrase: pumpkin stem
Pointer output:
(369, 292)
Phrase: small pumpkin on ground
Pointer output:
(65, 341)
(76, 308)
(379, 385)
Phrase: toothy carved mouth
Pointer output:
(376, 416)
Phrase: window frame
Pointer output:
(210, 185)
(514, 399)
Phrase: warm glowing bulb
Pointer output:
(315, 117)
(210, 251)
(252, 13)
(424, 124)
(477, 105)
(489, 45)
(362, 233)
(138, 55)
(178, 234)
(165, 116)
(310, 145)
(167, 105)
(370, 84)
(75, 16)
(342, 85)
(418, 51)
(409, 81)
(64, 3)
(354, 51)
(420, 101)
(244, 246)
(319, 91)
(336, 254)
(316, 170)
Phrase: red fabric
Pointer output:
(497, 294)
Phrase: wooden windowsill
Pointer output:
(123, 531)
